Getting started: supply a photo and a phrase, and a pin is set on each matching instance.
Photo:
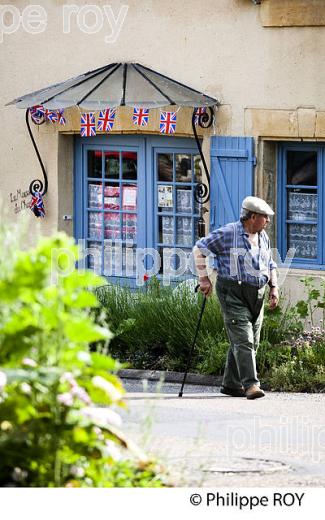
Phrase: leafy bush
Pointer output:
(59, 420)
(154, 329)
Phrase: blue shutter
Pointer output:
(232, 167)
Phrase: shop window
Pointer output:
(133, 193)
(301, 210)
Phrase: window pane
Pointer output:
(303, 237)
(302, 205)
(94, 256)
(184, 200)
(112, 196)
(184, 231)
(112, 165)
(183, 168)
(95, 195)
(165, 167)
(129, 230)
(165, 198)
(129, 197)
(112, 223)
(95, 225)
(95, 163)
(129, 165)
(166, 230)
(119, 260)
(197, 168)
(302, 168)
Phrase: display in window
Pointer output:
(95, 193)
(129, 197)
(112, 165)
(95, 225)
(112, 197)
(112, 226)
(303, 237)
(94, 256)
(184, 201)
(183, 168)
(165, 167)
(184, 231)
(302, 206)
(166, 230)
(165, 196)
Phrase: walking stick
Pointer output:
(194, 340)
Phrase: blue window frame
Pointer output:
(301, 210)
(134, 192)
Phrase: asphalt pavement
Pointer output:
(208, 439)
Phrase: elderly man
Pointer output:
(243, 261)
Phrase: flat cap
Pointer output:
(257, 205)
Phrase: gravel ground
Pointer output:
(208, 439)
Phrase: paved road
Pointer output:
(207, 439)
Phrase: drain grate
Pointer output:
(246, 465)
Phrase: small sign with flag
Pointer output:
(37, 205)
(88, 125)
(106, 120)
(167, 122)
(140, 116)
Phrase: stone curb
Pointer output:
(170, 377)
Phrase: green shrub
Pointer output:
(59, 420)
(154, 329)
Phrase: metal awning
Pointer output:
(116, 84)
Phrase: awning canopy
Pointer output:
(116, 84)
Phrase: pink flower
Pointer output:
(80, 393)
(66, 399)
(28, 362)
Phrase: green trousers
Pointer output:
(242, 308)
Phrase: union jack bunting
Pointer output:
(37, 113)
(61, 118)
(106, 120)
(88, 125)
(51, 115)
(167, 122)
(198, 113)
(140, 116)
(37, 205)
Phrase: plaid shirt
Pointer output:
(232, 256)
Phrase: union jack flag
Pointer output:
(167, 122)
(88, 125)
(106, 120)
(37, 113)
(37, 205)
(140, 116)
(51, 115)
(61, 118)
(198, 113)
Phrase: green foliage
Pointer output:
(154, 328)
(59, 424)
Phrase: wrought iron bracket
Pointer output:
(202, 190)
(37, 185)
